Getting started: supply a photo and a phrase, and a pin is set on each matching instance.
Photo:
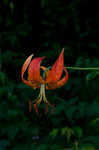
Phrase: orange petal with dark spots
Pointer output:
(55, 73)
(59, 83)
(24, 67)
(34, 70)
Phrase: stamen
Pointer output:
(39, 99)
(36, 108)
(45, 100)
(30, 106)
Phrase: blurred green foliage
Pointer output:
(74, 125)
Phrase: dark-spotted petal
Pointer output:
(55, 73)
(34, 70)
(24, 67)
(59, 83)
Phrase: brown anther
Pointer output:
(30, 106)
(36, 108)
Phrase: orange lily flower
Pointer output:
(49, 80)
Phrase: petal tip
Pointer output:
(25, 65)
(62, 51)
(31, 56)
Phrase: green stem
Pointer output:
(76, 145)
(87, 69)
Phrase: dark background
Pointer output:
(44, 28)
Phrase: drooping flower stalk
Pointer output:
(82, 68)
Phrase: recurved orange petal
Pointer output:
(34, 70)
(24, 67)
(59, 83)
(55, 73)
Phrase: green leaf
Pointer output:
(12, 131)
(54, 133)
(5, 2)
(95, 121)
(92, 75)
(42, 147)
(3, 78)
(87, 148)
(68, 132)
(70, 111)
(11, 5)
(78, 132)
(12, 113)
(79, 61)
(92, 139)
(22, 147)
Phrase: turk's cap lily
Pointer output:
(52, 79)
